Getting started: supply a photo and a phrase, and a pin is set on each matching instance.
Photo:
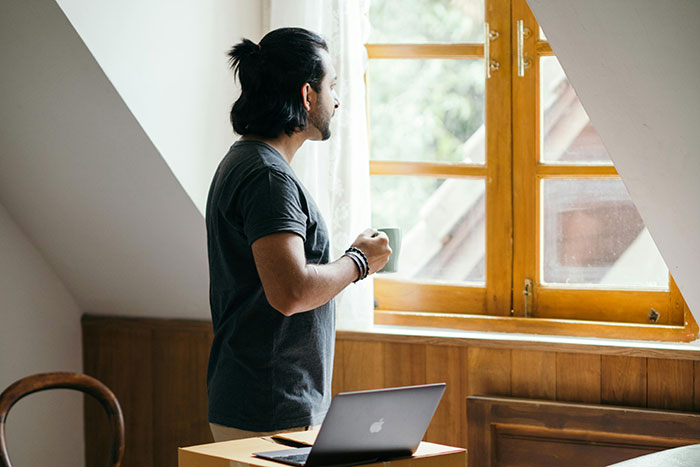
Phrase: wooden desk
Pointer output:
(239, 453)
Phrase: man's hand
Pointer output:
(375, 246)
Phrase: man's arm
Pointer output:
(293, 286)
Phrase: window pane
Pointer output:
(567, 135)
(422, 21)
(429, 110)
(442, 224)
(592, 236)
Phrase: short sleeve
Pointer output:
(269, 202)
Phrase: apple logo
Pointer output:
(376, 427)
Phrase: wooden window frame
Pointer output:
(512, 172)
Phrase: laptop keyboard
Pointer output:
(299, 459)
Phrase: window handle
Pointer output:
(488, 37)
(522, 33)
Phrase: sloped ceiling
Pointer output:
(84, 181)
(635, 66)
(167, 60)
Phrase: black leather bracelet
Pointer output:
(359, 252)
(358, 263)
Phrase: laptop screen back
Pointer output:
(379, 424)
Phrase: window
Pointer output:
(513, 216)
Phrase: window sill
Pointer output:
(526, 341)
(545, 326)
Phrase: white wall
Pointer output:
(84, 181)
(635, 66)
(40, 332)
(167, 60)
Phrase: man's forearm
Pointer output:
(316, 286)
(293, 286)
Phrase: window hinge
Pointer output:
(491, 65)
(522, 34)
(527, 292)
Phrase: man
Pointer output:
(272, 282)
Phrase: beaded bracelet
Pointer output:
(360, 260)
(362, 269)
(361, 253)
(358, 263)
(365, 262)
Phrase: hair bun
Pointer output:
(244, 49)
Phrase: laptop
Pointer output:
(368, 426)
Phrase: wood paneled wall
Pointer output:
(157, 369)
(636, 381)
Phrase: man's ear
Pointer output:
(306, 96)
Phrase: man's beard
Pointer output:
(321, 120)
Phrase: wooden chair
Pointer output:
(84, 383)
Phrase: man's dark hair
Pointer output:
(271, 76)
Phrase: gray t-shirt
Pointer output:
(266, 372)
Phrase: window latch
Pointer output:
(654, 316)
(527, 292)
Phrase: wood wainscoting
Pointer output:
(157, 369)
(627, 376)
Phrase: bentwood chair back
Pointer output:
(61, 380)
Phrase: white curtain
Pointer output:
(336, 172)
